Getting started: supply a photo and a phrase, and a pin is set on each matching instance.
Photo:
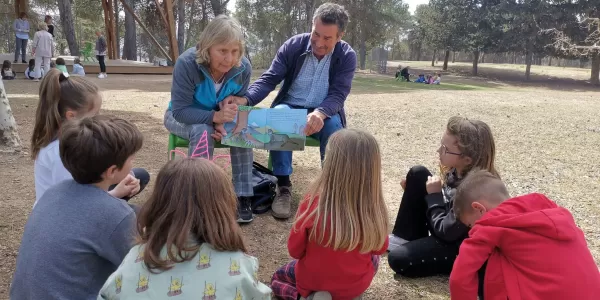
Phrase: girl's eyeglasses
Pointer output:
(445, 151)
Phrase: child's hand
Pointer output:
(135, 187)
(220, 132)
(403, 184)
(434, 185)
(127, 187)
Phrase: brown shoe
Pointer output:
(282, 205)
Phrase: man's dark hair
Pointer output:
(89, 146)
(332, 14)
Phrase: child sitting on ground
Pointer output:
(341, 226)
(61, 99)
(31, 70)
(7, 72)
(78, 234)
(426, 236)
(188, 232)
(61, 66)
(437, 79)
(421, 79)
(78, 67)
(533, 248)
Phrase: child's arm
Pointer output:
(252, 288)
(473, 253)
(108, 291)
(443, 222)
(120, 241)
(299, 234)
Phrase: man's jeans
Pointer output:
(282, 160)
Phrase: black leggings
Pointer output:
(101, 62)
(424, 255)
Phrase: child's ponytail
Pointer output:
(57, 95)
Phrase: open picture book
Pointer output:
(267, 128)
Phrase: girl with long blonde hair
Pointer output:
(341, 226)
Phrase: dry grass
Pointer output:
(547, 141)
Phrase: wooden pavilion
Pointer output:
(165, 8)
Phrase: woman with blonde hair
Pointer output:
(341, 226)
(43, 50)
(204, 78)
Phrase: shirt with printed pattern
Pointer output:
(210, 275)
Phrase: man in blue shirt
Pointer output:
(317, 69)
(21, 27)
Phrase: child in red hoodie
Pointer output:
(341, 226)
(533, 248)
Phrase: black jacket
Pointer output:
(440, 213)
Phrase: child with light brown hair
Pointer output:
(521, 241)
(62, 99)
(188, 241)
(341, 226)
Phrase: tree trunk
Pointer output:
(66, 18)
(181, 25)
(453, 56)
(9, 137)
(433, 58)
(130, 44)
(550, 61)
(483, 58)
(446, 57)
(310, 8)
(363, 49)
(117, 32)
(582, 63)
(528, 60)
(475, 62)
(594, 79)
(218, 6)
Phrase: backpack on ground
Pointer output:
(264, 184)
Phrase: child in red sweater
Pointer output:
(533, 248)
(341, 226)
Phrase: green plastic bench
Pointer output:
(179, 142)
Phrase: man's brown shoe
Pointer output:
(282, 205)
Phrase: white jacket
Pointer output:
(43, 44)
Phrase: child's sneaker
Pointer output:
(245, 210)
(395, 242)
(318, 296)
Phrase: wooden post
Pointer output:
(171, 31)
(107, 26)
(161, 11)
(137, 19)
(111, 38)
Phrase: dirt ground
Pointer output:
(547, 141)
